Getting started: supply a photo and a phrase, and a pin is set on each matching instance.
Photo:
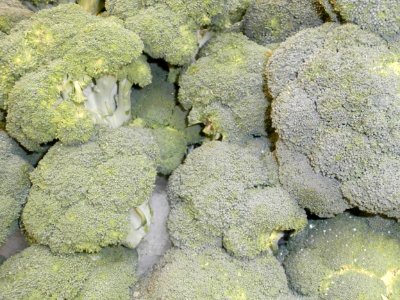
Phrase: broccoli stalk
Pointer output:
(108, 100)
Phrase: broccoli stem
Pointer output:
(108, 100)
(93, 7)
(139, 219)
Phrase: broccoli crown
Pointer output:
(89, 196)
(350, 135)
(87, 81)
(178, 42)
(202, 13)
(155, 107)
(185, 24)
(346, 257)
(224, 88)
(37, 273)
(12, 12)
(378, 16)
(14, 184)
(213, 274)
(224, 193)
(267, 22)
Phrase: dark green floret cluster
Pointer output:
(200, 149)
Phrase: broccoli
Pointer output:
(12, 12)
(267, 22)
(92, 195)
(229, 195)
(336, 105)
(346, 257)
(311, 189)
(213, 274)
(14, 184)
(224, 89)
(37, 273)
(155, 107)
(185, 24)
(81, 69)
(378, 16)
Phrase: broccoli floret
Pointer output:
(267, 22)
(37, 273)
(89, 196)
(14, 184)
(322, 195)
(224, 88)
(346, 257)
(224, 193)
(87, 82)
(179, 42)
(12, 12)
(213, 274)
(337, 105)
(378, 16)
(155, 107)
(172, 144)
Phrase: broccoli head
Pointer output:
(378, 16)
(14, 184)
(336, 107)
(37, 273)
(346, 257)
(224, 88)
(92, 195)
(12, 12)
(213, 274)
(155, 107)
(80, 74)
(228, 194)
(185, 24)
(267, 21)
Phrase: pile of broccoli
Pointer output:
(275, 123)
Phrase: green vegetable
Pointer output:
(14, 184)
(93, 195)
(378, 16)
(230, 195)
(346, 257)
(267, 21)
(336, 110)
(155, 107)
(213, 274)
(36, 273)
(77, 71)
(224, 89)
(12, 12)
